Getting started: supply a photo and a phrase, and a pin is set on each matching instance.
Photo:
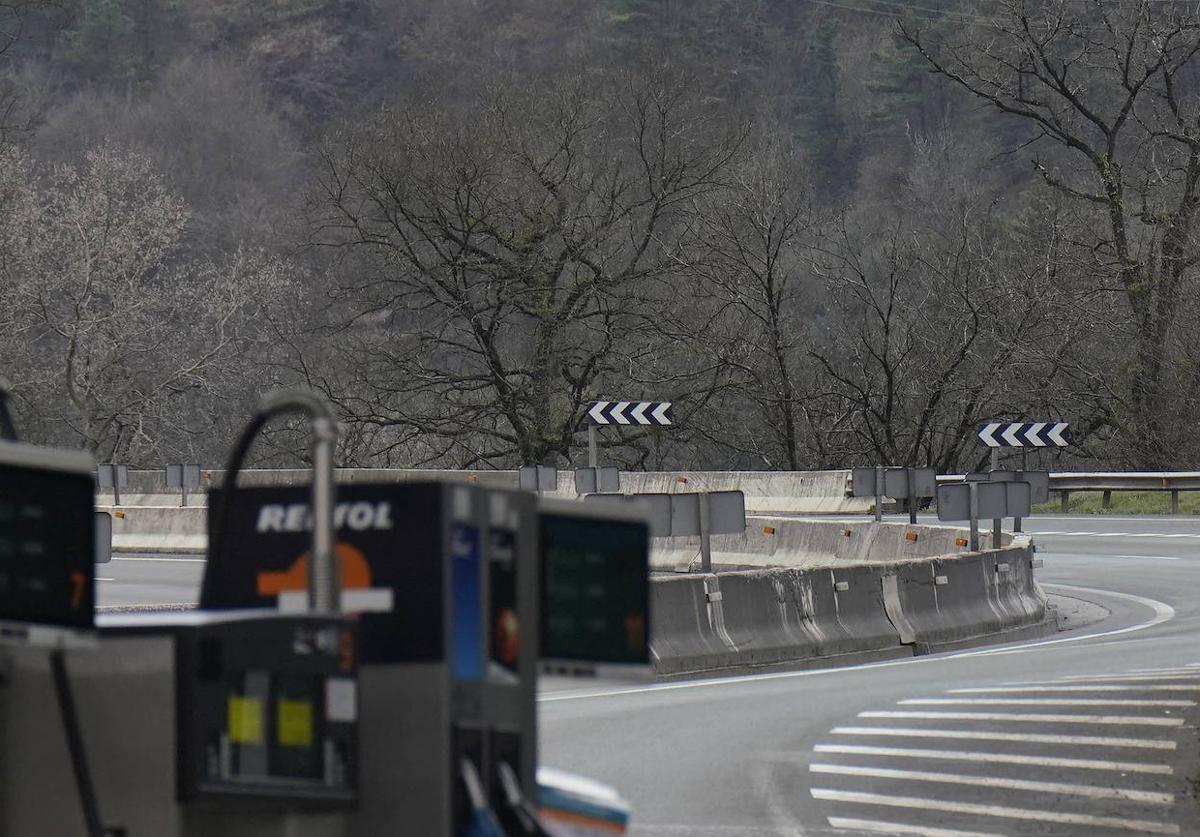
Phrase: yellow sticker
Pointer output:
(245, 720)
(295, 723)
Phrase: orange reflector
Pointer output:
(472, 478)
(681, 479)
(768, 530)
(960, 541)
(910, 536)
(119, 514)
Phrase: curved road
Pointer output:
(1091, 732)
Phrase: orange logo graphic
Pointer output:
(356, 573)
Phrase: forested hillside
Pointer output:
(830, 232)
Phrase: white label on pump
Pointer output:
(341, 700)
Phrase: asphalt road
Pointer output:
(1092, 732)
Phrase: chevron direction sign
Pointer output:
(630, 413)
(1029, 434)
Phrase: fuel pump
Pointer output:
(240, 723)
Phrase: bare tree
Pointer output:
(1109, 91)
(118, 335)
(503, 262)
(756, 301)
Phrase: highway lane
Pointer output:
(149, 579)
(896, 747)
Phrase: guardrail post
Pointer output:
(878, 493)
(1174, 501)
(1065, 497)
(1106, 500)
(705, 538)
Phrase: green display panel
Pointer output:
(47, 538)
(595, 589)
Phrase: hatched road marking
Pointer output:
(1093, 791)
(1033, 738)
(1041, 702)
(880, 827)
(1023, 717)
(1141, 826)
(999, 758)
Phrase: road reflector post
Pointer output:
(768, 530)
(910, 536)
(960, 541)
(940, 579)
(841, 586)
(681, 479)
(120, 515)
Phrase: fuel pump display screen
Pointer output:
(47, 541)
(595, 589)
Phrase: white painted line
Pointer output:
(165, 560)
(1032, 738)
(105, 579)
(1162, 613)
(1028, 718)
(1128, 678)
(1041, 702)
(1131, 687)
(879, 827)
(1148, 557)
(1174, 669)
(1091, 791)
(1175, 535)
(1142, 826)
(998, 758)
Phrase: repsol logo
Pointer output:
(296, 517)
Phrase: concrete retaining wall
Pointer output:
(813, 544)
(772, 617)
(807, 492)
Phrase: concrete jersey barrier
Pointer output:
(776, 617)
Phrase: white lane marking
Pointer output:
(880, 827)
(999, 758)
(1130, 678)
(1143, 826)
(1187, 669)
(1040, 702)
(1032, 738)
(165, 560)
(1162, 613)
(1131, 687)
(104, 579)
(1092, 791)
(1148, 557)
(1027, 718)
(1187, 535)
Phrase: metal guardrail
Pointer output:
(1107, 482)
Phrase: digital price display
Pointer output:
(595, 589)
(47, 538)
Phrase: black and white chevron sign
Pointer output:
(630, 412)
(1029, 434)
